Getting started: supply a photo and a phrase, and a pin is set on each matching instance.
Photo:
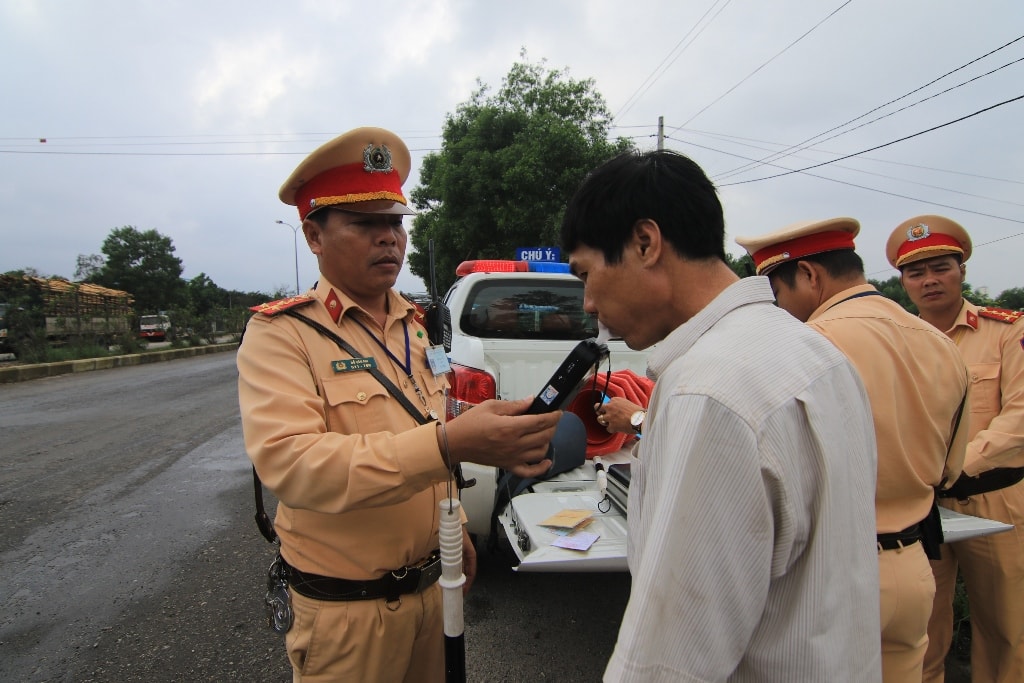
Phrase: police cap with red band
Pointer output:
(799, 240)
(361, 171)
(923, 237)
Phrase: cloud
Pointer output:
(244, 76)
(187, 117)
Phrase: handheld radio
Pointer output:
(438, 317)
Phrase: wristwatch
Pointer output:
(637, 420)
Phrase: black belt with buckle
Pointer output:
(900, 539)
(412, 579)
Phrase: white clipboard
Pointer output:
(957, 526)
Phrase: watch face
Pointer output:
(637, 419)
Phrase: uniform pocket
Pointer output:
(984, 387)
(356, 403)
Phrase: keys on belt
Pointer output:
(279, 604)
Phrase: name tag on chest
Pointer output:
(352, 364)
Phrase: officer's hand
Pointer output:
(497, 433)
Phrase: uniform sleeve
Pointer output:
(1001, 442)
(702, 580)
(297, 457)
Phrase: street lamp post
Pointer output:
(295, 243)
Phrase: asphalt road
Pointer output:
(129, 553)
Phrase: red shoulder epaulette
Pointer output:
(272, 308)
(1003, 315)
(420, 314)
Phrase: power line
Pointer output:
(864, 187)
(801, 145)
(873, 173)
(328, 135)
(651, 78)
(174, 154)
(726, 137)
(872, 149)
(772, 59)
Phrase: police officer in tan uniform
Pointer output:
(930, 252)
(913, 376)
(359, 471)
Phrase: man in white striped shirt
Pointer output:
(751, 508)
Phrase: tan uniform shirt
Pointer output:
(357, 478)
(994, 352)
(915, 379)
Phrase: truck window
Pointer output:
(506, 309)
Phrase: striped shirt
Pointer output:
(751, 514)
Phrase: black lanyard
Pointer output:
(407, 368)
(856, 296)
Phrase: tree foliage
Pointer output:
(143, 264)
(892, 289)
(1012, 298)
(87, 266)
(509, 162)
(742, 266)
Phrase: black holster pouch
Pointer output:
(993, 480)
(931, 532)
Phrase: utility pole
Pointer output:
(661, 133)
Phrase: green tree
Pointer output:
(204, 295)
(509, 162)
(892, 289)
(86, 266)
(1012, 299)
(143, 264)
(976, 297)
(742, 266)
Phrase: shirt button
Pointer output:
(361, 396)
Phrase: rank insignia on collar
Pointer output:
(272, 308)
(334, 305)
(377, 159)
(917, 232)
(972, 319)
(1003, 315)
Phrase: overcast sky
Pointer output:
(186, 117)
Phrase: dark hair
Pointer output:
(839, 264)
(663, 186)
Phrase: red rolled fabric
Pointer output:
(623, 383)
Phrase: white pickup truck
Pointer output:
(513, 323)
